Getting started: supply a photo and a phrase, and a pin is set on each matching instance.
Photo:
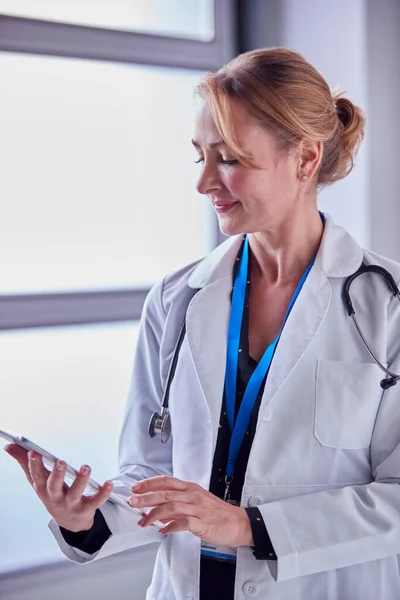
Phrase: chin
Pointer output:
(232, 227)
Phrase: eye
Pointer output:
(229, 162)
(221, 160)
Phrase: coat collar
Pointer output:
(339, 255)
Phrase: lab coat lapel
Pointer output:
(207, 331)
(338, 255)
(301, 326)
(207, 321)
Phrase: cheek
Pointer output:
(256, 187)
(238, 183)
(263, 187)
(252, 189)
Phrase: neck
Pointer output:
(282, 254)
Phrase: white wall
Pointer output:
(384, 94)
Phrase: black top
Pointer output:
(217, 578)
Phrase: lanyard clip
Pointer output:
(228, 481)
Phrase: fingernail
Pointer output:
(60, 464)
(133, 500)
(85, 469)
(135, 486)
(142, 521)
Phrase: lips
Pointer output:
(221, 207)
(222, 204)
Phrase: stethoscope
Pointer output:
(161, 423)
(391, 378)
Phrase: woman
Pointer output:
(270, 354)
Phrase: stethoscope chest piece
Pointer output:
(160, 424)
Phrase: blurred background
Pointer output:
(98, 202)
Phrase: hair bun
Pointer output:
(345, 110)
(351, 134)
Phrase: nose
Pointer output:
(209, 180)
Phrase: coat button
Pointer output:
(255, 500)
(250, 588)
(268, 414)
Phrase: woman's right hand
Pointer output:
(67, 505)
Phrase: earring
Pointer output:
(304, 178)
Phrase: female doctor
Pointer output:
(281, 476)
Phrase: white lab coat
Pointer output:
(324, 467)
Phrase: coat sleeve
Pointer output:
(140, 457)
(338, 528)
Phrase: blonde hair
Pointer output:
(289, 97)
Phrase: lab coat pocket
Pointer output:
(348, 395)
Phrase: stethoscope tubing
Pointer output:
(161, 423)
(372, 355)
(392, 378)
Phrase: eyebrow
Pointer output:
(212, 145)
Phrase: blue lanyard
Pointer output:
(238, 428)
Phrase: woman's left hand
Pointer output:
(186, 506)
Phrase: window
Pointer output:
(99, 202)
(180, 18)
(104, 151)
(65, 388)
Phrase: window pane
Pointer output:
(192, 19)
(65, 389)
(98, 178)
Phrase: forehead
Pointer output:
(249, 133)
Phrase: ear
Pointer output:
(310, 156)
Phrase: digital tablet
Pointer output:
(49, 460)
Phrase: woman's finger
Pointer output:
(102, 496)
(78, 487)
(55, 481)
(184, 524)
(157, 498)
(39, 474)
(21, 456)
(171, 511)
(163, 482)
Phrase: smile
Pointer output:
(222, 207)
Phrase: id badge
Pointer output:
(223, 553)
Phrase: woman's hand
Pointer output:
(186, 506)
(67, 505)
